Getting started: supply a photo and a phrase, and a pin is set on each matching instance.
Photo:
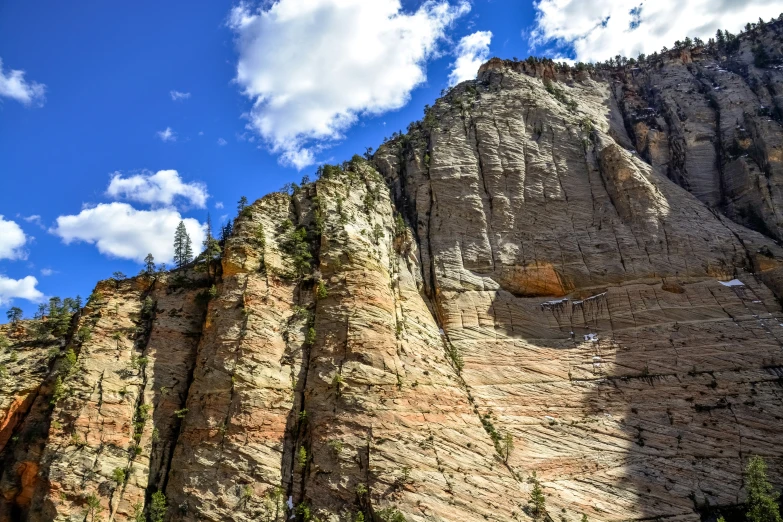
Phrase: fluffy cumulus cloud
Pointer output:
(312, 67)
(161, 188)
(600, 29)
(13, 85)
(119, 230)
(472, 51)
(12, 240)
(24, 288)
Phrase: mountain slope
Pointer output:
(543, 275)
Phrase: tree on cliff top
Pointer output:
(183, 249)
(14, 314)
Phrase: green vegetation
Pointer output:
(261, 242)
(294, 243)
(537, 501)
(212, 250)
(118, 475)
(180, 414)
(760, 56)
(560, 95)
(140, 420)
(273, 504)
(311, 336)
(83, 335)
(205, 296)
(58, 391)
(138, 363)
(183, 248)
(455, 356)
(390, 514)
(377, 233)
(147, 307)
(93, 506)
(158, 507)
(321, 292)
(506, 445)
(241, 204)
(149, 265)
(399, 226)
(403, 478)
(138, 513)
(95, 297)
(301, 457)
(336, 445)
(762, 503)
(303, 510)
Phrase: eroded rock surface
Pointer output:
(566, 273)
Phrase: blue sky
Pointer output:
(88, 90)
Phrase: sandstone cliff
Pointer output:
(572, 273)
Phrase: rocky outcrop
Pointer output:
(548, 278)
(711, 119)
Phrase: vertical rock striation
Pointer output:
(571, 275)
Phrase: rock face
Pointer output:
(554, 273)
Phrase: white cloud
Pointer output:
(14, 86)
(12, 239)
(312, 67)
(167, 134)
(221, 142)
(160, 188)
(472, 51)
(219, 204)
(24, 288)
(176, 95)
(601, 29)
(47, 272)
(35, 219)
(119, 230)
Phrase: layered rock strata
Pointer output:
(554, 276)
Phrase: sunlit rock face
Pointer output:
(572, 273)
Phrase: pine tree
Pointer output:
(183, 249)
(506, 446)
(207, 239)
(225, 231)
(241, 205)
(211, 246)
(188, 254)
(149, 264)
(537, 499)
(762, 503)
(14, 314)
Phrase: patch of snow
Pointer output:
(733, 282)
(593, 338)
(756, 301)
(554, 302)
(290, 504)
